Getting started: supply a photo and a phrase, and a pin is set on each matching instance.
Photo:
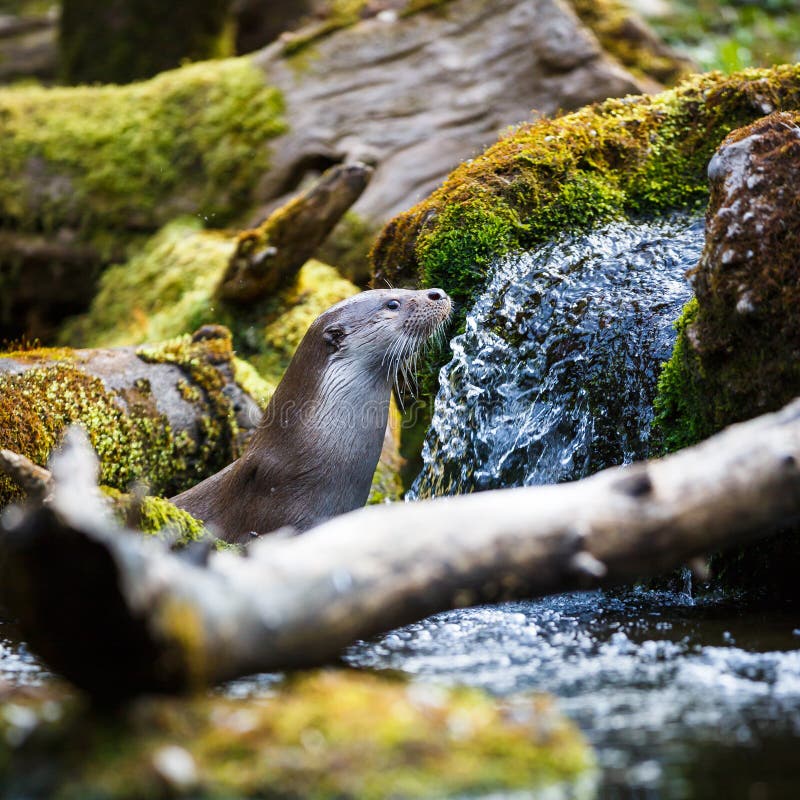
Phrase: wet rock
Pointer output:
(737, 354)
(738, 348)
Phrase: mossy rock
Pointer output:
(645, 154)
(322, 735)
(157, 516)
(737, 354)
(168, 415)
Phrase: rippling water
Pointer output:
(555, 374)
(680, 699)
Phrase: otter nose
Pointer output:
(436, 294)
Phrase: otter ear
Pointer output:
(333, 338)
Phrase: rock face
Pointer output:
(417, 95)
(738, 353)
(738, 348)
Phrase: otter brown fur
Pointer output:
(318, 443)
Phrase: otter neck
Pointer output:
(332, 439)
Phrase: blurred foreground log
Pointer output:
(119, 615)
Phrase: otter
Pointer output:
(316, 447)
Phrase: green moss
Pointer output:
(104, 157)
(629, 155)
(163, 291)
(320, 735)
(247, 376)
(156, 516)
(134, 444)
(681, 408)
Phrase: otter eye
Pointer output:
(393, 305)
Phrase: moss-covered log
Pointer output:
(120, 41)
(324, 735)
(168, 415)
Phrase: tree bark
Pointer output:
(147, 620)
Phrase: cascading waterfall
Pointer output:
(555, 373)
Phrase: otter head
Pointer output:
(382, 329)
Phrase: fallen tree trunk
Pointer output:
(147, 620)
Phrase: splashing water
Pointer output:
(555, 373)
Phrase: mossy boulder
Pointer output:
(168, 415)
(738, 349)
(632, 155)
(321, 735)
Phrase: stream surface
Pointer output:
(682, 699)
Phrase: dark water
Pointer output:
(681, 700)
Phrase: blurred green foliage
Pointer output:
(732, 34)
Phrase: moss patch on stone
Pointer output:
(133, 440)
(629, 155)
(156, 516)
(322, 735)
(109, 157)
